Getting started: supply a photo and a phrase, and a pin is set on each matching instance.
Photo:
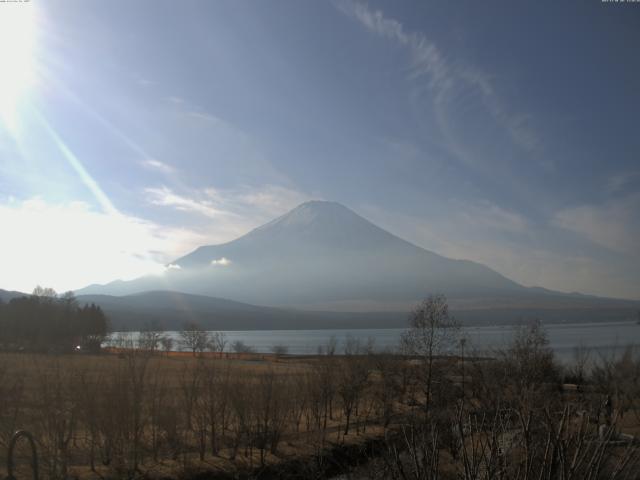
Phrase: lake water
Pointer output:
(605, 338)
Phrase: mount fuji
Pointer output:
(323, 256)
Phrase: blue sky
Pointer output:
(502, 132)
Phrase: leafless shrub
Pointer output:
(239, 346)
(217, 342)
(330, 347)
(166, 342)
(352, 379)
(56, 416)
(150, 338)
(194, 338)
(387, 387)
(280, 350)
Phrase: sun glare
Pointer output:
(67, 246)
(17, 39)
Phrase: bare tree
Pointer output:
(239, 346)
(353, 376)
(271, 408)
(330, 347)
(158, 401)
(167, 343)
(150, 337)
(215, 383)
(44, 292)
(217, 342)
(279, 350)
(618, 379)
(123, 341)
(530, 364)
(387, 387)
(194, 338)
(576, 372)
(432, 332)
(57, 415)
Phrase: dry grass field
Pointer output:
(132, 413)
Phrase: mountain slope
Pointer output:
(321, 255)
(170, 310)
(7, 295)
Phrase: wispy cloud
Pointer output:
(142, 80)
(184, 108)
(511, 245)
(444, 82)
(614, 224)
(164, 196)
(517, 125)
(235, 210)
(154, 164)
(205, 146)
(488, 215)
(271, 199)
(175, 100)
(427, 60)
(482, 223)
(620, 181)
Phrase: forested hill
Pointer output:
(51, 323)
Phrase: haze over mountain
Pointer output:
(7, 295)
(323, 266)
(321, 255)
(171, 310)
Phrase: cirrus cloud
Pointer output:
(614, 225)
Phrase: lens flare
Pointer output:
(17, 42)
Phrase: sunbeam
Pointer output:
(82, 172)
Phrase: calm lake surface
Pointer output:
(602, 338)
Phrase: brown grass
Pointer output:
(39, 387)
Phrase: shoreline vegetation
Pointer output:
(432, 409)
